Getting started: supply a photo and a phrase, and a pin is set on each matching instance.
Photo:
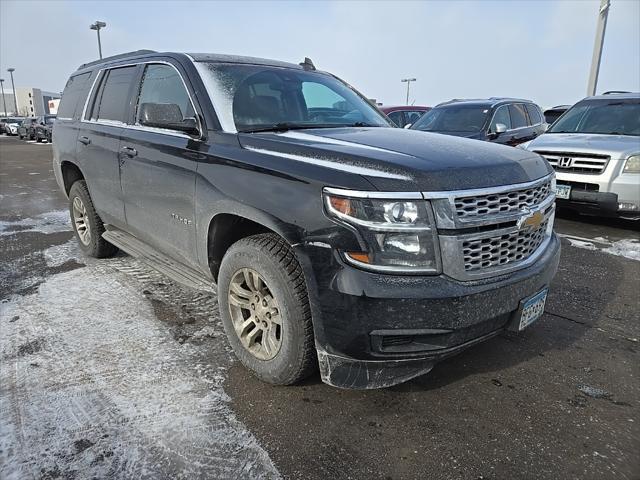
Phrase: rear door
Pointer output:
(521, 130)
(99, 140)
(158, 166)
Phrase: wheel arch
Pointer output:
(227, 228)
(71, 173)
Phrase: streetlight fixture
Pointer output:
(97, 26)
(408, 82)
(4, 101)
(15, 100)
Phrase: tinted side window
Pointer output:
(396, 117)
(74, 93)
(501, 116)
(534, 114)
(114, 96)
(518, 115)
(162, 84)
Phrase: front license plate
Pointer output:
(533, 309)
(563, 191)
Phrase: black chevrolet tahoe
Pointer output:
(333, 239)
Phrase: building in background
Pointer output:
(6, 101)
(32, 102)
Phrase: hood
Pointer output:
(395, 159)
(474, 135)
(617, 146)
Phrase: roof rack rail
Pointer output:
(615, 92)
(116, 57)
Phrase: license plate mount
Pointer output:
(530, 310)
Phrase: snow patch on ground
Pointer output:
(50, 222)
(581, 244)
(625, 248)
(94, 384)
(628, 248)
(61, 254)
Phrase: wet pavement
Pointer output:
(111, 370)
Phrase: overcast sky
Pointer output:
(535, 49)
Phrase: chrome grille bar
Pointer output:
(576, 162)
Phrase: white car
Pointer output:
(595, 149)
(11, 125)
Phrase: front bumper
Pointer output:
(375, 330)
(604, 200)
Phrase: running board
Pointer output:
(176, 271)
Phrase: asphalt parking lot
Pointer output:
(110, 370)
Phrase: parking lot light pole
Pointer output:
(408, 82)
(603, 13)
(4, 101)
(97, 26)
(15, 99)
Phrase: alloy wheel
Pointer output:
(255, 314)
(81, 221)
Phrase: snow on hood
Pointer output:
(401, 160)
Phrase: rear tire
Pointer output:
(87, 224)
(282, 351)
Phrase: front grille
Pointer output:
(504, 202)
(501, 250)
(576, 162)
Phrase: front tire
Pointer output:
(265, 309)
(87, 224)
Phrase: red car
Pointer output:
(404, 114)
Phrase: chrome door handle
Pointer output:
(84, 140)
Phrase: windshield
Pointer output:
(612, 117)
(251, 98)
(453, 118)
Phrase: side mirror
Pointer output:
(500, 128)
(408, 125)
(167, 115)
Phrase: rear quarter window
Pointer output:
(73, 96)
(518, 115)
(534, 114)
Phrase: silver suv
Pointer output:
(595, 149)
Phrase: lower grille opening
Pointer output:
(388, 342)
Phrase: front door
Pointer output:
(158, 168)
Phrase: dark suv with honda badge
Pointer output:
(333, 239)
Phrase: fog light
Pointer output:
(628, 206)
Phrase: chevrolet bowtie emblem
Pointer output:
(530, 220)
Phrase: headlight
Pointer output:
(632, 165)
(398, 233)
